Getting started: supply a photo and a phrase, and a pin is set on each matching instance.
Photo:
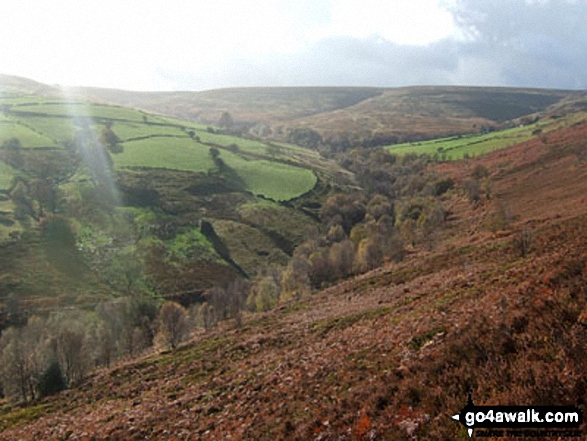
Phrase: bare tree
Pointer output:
(172, 324)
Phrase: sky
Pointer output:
(208, 44)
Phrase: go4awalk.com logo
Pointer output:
(561, 421)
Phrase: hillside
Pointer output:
(194, 206)
(498, 305)
(356, 115)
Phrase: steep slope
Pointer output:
(390, 354)
(120, 182)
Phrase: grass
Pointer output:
(190, 245)
(23, 99)
(261, 177)
(245, 145)
(23, 415)
(170, 153)
(273, 180)
(7, 174)
(272, 216)
(127, 131)
(83, 110)
(248, 247)
(27, 137)
(178, 122)
(57, 129)
(456, 147)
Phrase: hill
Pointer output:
(372, 116)
(497, 305)
(193, 205)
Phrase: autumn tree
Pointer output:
(23, 359)
(172, 324)
(263, 294)
(16, 369)
(342, 256)
(295, 278)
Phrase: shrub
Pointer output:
(472, 190)
(480, 171)
(443, 186)
(523, 242)
(52, 380)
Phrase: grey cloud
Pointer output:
(516, 44)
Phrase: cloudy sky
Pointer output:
(205, 44)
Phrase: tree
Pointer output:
(345, 208)
(71, 352)
(264, 294)
(13, 152)
(473, 190)
(206, 316)
(226, 121)
(369, 254)
(110, 140)
(15, 370)
(523, 242)
(342, 256)
(22, 360)
(295, 279)
(172, 324)
(52, 380)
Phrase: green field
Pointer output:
(261, 177)
(26, 136)
(153, 141)
(7, 173)
(169, 153)
(177, 122)
(127, 131)
(57, 129)
(274, 180)
(457, 147)
(24, 99)
(82, 110)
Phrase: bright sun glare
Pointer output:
(136, 45)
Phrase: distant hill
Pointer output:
(19, 85)
(361, 115)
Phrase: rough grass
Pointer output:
(189, 245)
(272, 216)
(248, 247)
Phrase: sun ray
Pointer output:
(92, 151)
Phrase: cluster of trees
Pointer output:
(43, 355)
(35, 192)
(398, 206)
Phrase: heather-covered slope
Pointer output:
(390, 354)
